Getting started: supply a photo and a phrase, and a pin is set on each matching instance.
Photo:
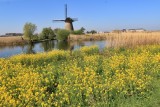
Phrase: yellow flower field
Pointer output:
(85, 77)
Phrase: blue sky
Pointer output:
(101, 15)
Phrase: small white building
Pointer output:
(100, 32)
(135, 30)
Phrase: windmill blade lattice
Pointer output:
(68, 21)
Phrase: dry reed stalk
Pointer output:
(133, 39)
(12, 40)
(87, 37)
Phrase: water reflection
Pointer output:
(47, 46)
(30, 49)
(6, 51)
(63, 45)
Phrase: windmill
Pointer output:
(68, 21)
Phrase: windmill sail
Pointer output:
(68, 21)
(75, 19)
(66, 11)
(58, 20)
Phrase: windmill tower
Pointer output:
(68, 21)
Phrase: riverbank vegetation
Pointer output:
(78, 32)
(121, 39)
(114, 39)
(119, 76)
(12, 40)
(47, 33)
(62, 35)
(133, 39)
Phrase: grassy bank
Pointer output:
(12, 40)
(116, 77)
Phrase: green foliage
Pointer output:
(112, 78)
(82, 29)
(92, 31)
(56, 30)
(29, 30)
(89, 50)
(35, 37)
(47, 33)
(62, 34)
(78, 32)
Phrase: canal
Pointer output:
(7, 51)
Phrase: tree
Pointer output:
(56, 30)
(88, 32)
(47, 33)
(93, 31)
(82, 29)
(79, 32)
(29, 30)
(62, 34)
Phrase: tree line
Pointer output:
(48, 33)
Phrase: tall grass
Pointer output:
(87, 37)
(133, 39)
(12, 40)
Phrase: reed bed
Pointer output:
(133, 39)
(12, 40)
(88, 37)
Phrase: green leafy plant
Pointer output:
(62, 34)
(78, 32)
(47, 33)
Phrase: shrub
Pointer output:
(47, 33)
(79, 32)
(92, 32)
(62, 34)
(35, 37)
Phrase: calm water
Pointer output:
(7, 51)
